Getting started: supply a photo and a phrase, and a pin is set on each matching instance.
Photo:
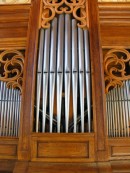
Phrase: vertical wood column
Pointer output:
(98, 81)
(29, 77)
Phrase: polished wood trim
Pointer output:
(63, 147)
(8, 148)
(29, 78)
(97, 80)
(119, 148)
(115, 24)
(13, 26)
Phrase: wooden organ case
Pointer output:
(62, 107)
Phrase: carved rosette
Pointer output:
(75, 7)
(12, 62)
(116, 67)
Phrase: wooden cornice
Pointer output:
(114, 13)
(114, 25)
(13, 26)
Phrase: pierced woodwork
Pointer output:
(116, 67)
(76, 8)
(12, 62)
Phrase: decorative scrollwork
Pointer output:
(116, 67)
(53, 7)
(12, 62)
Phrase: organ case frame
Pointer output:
(98, 138)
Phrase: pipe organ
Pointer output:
(64, 95)
(11, 64)
(117, 75)
(118, 111)
(10, 103)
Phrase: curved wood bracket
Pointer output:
(12, 62)
(116, 64)
(53, 7)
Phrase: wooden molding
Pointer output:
(8, 148)
(14, 2)
(14, 26)
(114, 24)
(114, 13)
(63, 147)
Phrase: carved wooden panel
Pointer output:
(8, 148)
(116, 68)
(12, 64)
(62, 147)
(119, 148)
(51, 8)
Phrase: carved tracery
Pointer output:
(12, 62)
(116, 67)
(75, 7)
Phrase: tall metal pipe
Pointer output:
(13, 114)
(118, 113)
(108, 114)
(74, 72)
(52, 70)
(8, 110)
(67, 69)
(81, 75)
(121, 112)
(19, 111)
(5, 111)
(115, 112)
(45, 76)
(2, 108)
(127, 84)
(39, 76)
(88, 77)
(113, 115)
(60, 54)
(126, 113)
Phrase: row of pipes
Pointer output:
(63, 70)
(118, 111)
(10, 105)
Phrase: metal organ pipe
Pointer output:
(9, 110)
(67, 69)
(118, 114)
(88, 77)
(74, 72)
(81, 75)
(52, 70)
(45, 76)
(39, 77)
(60, 54)
(65, 75)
